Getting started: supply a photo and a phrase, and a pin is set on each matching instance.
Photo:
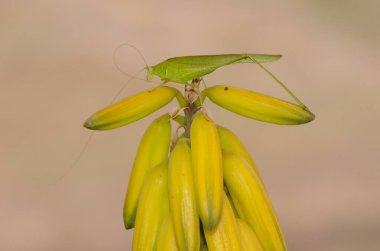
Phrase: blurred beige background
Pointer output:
(56, 68)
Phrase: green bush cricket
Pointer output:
(184, 69)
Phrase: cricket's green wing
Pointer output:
(183, 69)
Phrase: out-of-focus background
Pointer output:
(56, 69)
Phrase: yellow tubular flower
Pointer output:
(153, 208)
(257, 106)
(131, 109)
(207, 169)
(229, 141)
(225, 236)
(251, 201)
(153, 150)
(166, 239)
(248, 237)
(182, 198)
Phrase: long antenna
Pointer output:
(135, 48)
(86, 144)
(120, 69)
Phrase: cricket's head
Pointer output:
(149, 73)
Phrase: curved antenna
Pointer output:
(73, 164)
(120, 69)
(280, 83)
(86, 144)
(135, 48)
(83, 150)
(50, 187)
(134, 76)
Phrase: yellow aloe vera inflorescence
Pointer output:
(199, 190)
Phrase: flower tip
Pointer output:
(310, 117)
(89, 124)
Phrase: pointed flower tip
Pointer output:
(310, 116)
(89, 124)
